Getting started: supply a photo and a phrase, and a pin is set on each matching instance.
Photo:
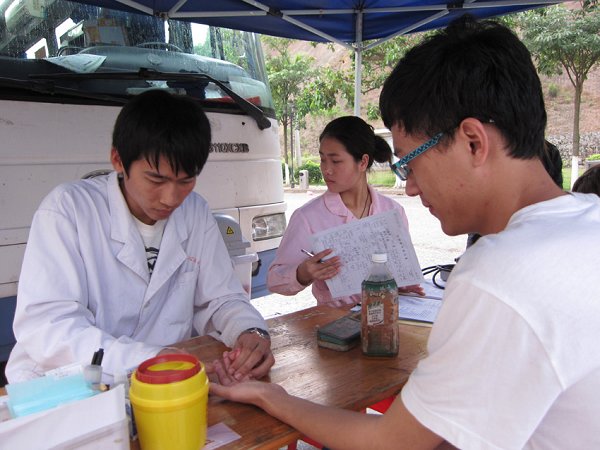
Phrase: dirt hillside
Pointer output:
(559, 106)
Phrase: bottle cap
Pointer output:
(379, 257)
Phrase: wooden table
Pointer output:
(343, 379)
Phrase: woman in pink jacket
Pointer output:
(348, 148)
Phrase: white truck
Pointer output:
(66, 69)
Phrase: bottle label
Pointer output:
(379, 327)
(375, 314)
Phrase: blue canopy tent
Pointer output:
(355, 24)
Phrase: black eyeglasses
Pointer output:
(401, 168)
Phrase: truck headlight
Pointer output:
(268, 227)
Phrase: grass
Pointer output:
(375, 177)
(566, 173)
(387, 178)
(381, 178)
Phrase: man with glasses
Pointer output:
(401, 168)
(513, 359)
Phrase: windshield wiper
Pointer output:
(48, 87)
(146, 74)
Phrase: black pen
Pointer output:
(98, 357)
(92, 373)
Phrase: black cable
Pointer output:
(437, 270)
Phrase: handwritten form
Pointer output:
(419, 309)
(356, 241)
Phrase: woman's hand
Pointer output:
(318, 268)
(414, 288)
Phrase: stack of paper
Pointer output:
(421, 310)
(418, 310)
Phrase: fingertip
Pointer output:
(215, 389)
(233, 354)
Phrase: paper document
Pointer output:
(219, 435)
(431, 290)
(356, 241)
(420, 309)
(84, 63)
(416, 308)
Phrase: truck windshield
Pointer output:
(58, 50)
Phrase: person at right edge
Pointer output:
(512, 359)
(588, 182)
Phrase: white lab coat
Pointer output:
(85, 283)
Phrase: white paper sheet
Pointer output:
(356, 241)
(421, 309)
(219, 435)
(80, 63)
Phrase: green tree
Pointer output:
(225, 44)
(560, 39)
(298, 87)
(287, 75)
(321, 94)
(378, 62)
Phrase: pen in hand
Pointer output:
(324, 269)
(306, 252)
(310, 254)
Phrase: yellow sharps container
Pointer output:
(169, 394)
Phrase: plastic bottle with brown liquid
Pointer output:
(379, 330)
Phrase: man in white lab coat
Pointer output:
(133, 261)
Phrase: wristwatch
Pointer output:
(259, 331)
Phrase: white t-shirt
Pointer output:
(151, 235)
(514, 355)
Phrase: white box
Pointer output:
(95, 423)
(243, 269)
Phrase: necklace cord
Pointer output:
(366, 203)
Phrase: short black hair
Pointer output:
(553, 163)
(589, 182)
(157, 123)
(470, 69)
(359, 138)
